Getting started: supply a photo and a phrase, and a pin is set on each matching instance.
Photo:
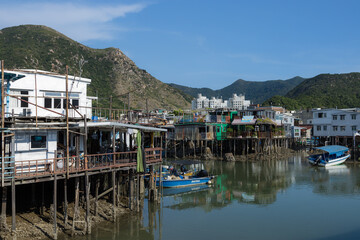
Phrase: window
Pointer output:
(342, 128)
(75, 103)
(335, 128)
(353, 116)
(342, 117)
(38, 142)
(320, 115)
(318, 128)
(57, 103)
(48, 103)
(334, 117)
(64, 103)
(24, 104)
(353, 128)
(325, 128)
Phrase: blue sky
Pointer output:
(208, 43)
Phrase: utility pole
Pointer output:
(129, 115)
(67, 123)
(110, 108)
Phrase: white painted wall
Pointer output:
(48, 83)
(23, 149)
(325, 124)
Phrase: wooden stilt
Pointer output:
(3, 209)
(175, 148)
(138, 193)
(65, 203)
(87, 190)
(114, 194)
(13, 206)
(183, 148)
(131, 189)
(97, 185)
(55, 207)
(76, 206)
(221, 150)
(42, 207)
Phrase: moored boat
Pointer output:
(184, 182)
(329, 156)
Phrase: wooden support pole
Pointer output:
(55, 207)
(2, 133)
(131, 189)
(221, 146)
(166, 144)
(65, 203)
(138, 193)
(67, 123)
(175, 148)
(113, 144)
(13, 206)
(76, 206)
(3, 208)
(114, 194)
(97, 195)
(87, 191)
(183, 148)
(42, 207)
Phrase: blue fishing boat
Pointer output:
(169, 182)
(329, 156)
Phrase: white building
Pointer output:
(48, 90)
(287, 121)
(335, 122)
(236, 102)
(200, 102)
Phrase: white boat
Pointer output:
(329, 156)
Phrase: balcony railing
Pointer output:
(91, 162)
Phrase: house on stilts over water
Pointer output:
(47, 135)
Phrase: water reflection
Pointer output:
(248, 194)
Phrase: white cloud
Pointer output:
(74, 20)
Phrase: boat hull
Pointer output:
(174, 183)
(332, 162)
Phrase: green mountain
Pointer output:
(111, 71)
(324, 90)
(257, 92)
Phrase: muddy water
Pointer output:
(284, 199)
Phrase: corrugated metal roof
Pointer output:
(122, 125)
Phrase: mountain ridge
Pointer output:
(111, 71)
(255, 91)
(324, 90)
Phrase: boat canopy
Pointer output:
(333, 149)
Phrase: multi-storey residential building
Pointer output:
(200, 102)
(336, 122)
(236, 102)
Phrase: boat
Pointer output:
(185, 190)
(329, 156)
(173, 181)
(170, 182)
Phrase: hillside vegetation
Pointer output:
(324, 90)
(111, 71)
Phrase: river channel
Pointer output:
(277, 199)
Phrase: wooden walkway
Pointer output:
(32, 171)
